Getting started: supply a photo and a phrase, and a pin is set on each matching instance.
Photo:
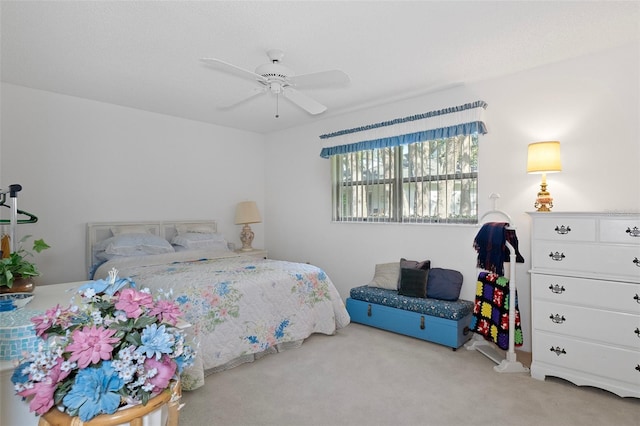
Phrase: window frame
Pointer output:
(401, 179)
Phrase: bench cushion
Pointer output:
(454, 310)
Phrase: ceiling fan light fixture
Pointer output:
(281, 80)
(275, 87)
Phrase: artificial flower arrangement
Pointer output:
(118, 347)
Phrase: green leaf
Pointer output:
(144, 321)
(134, 338)
(39, 245)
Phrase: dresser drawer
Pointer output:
(595, 359)
(588, 323)
(614, 260)
(620, 260)
(626, 231)
(565, 229)
(617, 296)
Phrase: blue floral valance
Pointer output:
(459, 120)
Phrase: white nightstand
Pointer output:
(259, 253)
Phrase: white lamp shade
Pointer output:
(247, 212)
(544, 157)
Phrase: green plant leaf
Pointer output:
(39, 245)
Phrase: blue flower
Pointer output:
(94, 391)
(155, 341)
(222, 288)
(21, 373)
(106, 286)
(279, 333)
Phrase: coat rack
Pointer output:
(508, 364)
(14, 221)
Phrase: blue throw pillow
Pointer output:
(444, 284)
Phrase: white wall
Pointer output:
(82, 161)
(590, 104)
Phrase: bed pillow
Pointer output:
(412, 264)
(444, 284)
(200, 241)
(134, 244)
(386, 276)
(413, 282)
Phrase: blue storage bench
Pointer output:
(433, 320)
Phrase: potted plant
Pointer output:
(17, 267)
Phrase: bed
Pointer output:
(239, 307)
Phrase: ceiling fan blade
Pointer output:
(232, 69)
(303, 101)
(320, 79)
(252, 93)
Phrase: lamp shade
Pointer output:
(544, 157)
(247, 212)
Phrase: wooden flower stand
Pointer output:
(133, 416)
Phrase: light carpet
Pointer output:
(365, 376)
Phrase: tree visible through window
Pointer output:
(433, 181)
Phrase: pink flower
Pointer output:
(132, 302)
(42, 323)
(166, 311)
(52, 317)
(42, 392)
(166, 368)
(90, 345)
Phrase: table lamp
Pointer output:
(246, 213)
(544, 157)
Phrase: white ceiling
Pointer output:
(145, 54)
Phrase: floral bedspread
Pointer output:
(239, 305)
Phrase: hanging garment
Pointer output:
(5, 246)
(491, 247)
(491, 310)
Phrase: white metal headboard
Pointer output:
(99, 231)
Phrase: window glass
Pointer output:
(424, 182)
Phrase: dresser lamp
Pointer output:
(544, 157)
(246, 213)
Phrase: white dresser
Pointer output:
(585, 285)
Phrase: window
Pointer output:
(434, 181)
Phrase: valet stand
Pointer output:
(133, 416)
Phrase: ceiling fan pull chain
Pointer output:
(277, 105)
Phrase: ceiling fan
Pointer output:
(275, 78)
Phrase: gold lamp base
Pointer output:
(544, 202)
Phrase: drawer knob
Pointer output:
(558, 289)
(558, 351)
(633, 232)
(637, 299)
(368, 310)
(557, 256)
(638, 367)
(557, 318)
(637, 331)
(562, 230)
(637, 262)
